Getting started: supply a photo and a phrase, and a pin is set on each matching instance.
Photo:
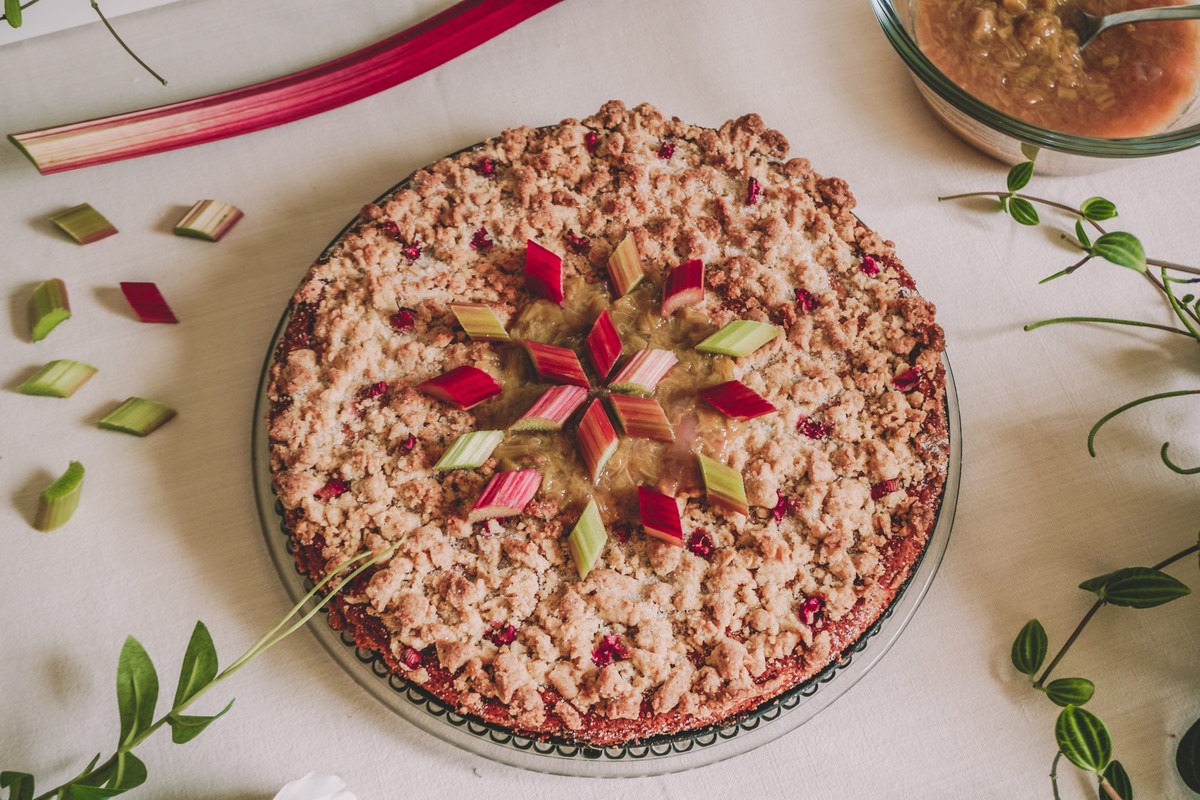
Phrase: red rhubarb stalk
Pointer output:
(660, 516)
(604, 345)
(596, 439)
(736, 400)
(552, 410)
(506, 494)
(684, 287)
(147, 302)
(556, 364)
(543, 272)
(464, 387)
(327, 86)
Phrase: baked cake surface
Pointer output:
(842, 479)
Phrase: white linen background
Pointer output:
(167, 532)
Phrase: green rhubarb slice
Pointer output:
(479, 321)
(739, 338)
(84, 224)
(208, 220)
(470, 450)
(58, 379)
(60, 499)
(48, 307)
(137, 416)
(587, 539)
(723, 484)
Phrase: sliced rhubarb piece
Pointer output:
(137, 416)
(884, 488)
(552, 410)
(60, 378)
(908, 380)
(642, 418)
(684, 287)
(506, 494)
(701, 544)
(587, 539)
(753, 191)
(469, 451)
(84, 224)
(209, 220)
(596, 439)
(333, 489)
(48, 307)
(556, 364)
(625, 267)
(479, 321)
(501, 633)
(739, 338)
(464, 387)
(604, 344)
(736, 400)
(660, 516)
(644, 371)
(147, 302)
(59, 500)
(610, 650)
(543, 272)
(811, 609)
(723, 485)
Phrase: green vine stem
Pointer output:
(1040, 682)
(125, 47)
(1091, 440)
(23, 7)
(1035, 325)
(1171, 465)
(1054, 774)
(264, 643)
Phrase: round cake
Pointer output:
(658, 424)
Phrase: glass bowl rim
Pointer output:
(1093, 146)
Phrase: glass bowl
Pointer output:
(1007, 138)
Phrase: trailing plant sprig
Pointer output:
(1082, 737)
(14, 17)
(137, 696)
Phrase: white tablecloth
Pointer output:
(167, 531)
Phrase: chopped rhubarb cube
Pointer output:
(501, 634)
(335, 487)
(587, 539)
(604, 345)
(908, 380)
(556, 364)
(625, 267)
(642, 418)
(812, 428)
(660, 516)
(506, 494)
(481, 241)
(464, 387)
(596, 439)
(479, 321)
(666, 150)
(609, 650)
(147, 302)
(543, 272)
(684, 287)
(411, 658)
(870, 266)
(811, 609)
(783, 506)
(591, 141)
(701, 544)
(485, 167)
(552, 410)
(736, 400)
(643, 372)
(739, 338)
(753, 191)
(806, 301)
(402, 319)
(209, 220)
(580, 245)
(469, 451)
(884, 488)
(723, 485)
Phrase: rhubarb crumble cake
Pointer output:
(659, 424)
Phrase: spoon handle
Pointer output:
(1147, 14)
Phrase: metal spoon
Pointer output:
(1090, 26)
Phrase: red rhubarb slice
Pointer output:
(660, 516)
(642, 418)
(147, 302)
(464, 387)
(506, 494)
(556, 364)
(643, 372)
(543, 272)
(684, 287)
(552, 410)
(736, 400)
(625, 267)
(604, 345)
(596, 439)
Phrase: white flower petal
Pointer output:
(315, 786)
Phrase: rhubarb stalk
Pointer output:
(327, 86)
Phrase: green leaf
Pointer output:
(1097, 583)
(1122, 249)
(19, 785)
(1070, 691)
(137, 690)
(185, 728)
(199, 665)
(1139, 587)
(1019, 175)
(1022, 211)
(1187, 757)
(1098, 209)
(129, 774)
(1081, 235)
(1083, 739)
(1030, 151)
(12, 12)
(1029, 648)
(1116, 775)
